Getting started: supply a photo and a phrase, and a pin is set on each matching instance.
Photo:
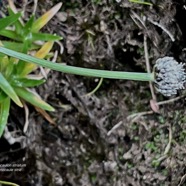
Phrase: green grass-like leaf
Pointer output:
(3, 96)
(26, 82)
(4, 22)
(10, 34)
(4, 61)
(7, 88)
(17, 46)
(29, 24)
(18, 25)
(43, 20)
(45, 37)
(33, 99)
(4, 113)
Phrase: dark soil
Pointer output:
(94, 141)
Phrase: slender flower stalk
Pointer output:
(78, 70)
(169, 76)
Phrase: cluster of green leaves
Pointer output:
(15, 78)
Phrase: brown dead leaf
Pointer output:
(45, 115)
(154, 106)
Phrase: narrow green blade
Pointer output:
(4, 22)
(4, 62)
(3, 96)
(17, 46)
(26, 82)
(29, 24)
(32, 98)
(45, 37)
(10, 34)
(7, 72)
(18, 25)
(13, 45)
(7, 88)
(4, 113)
(43, 20)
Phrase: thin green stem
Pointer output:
(78, 70)
(141, 2)
(8, 183)
(97, 87)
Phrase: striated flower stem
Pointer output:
(78, 70)
(169, 75)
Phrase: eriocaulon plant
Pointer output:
(15, 82)
(168, 75)
(15, 78)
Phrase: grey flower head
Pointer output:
(170, 76)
